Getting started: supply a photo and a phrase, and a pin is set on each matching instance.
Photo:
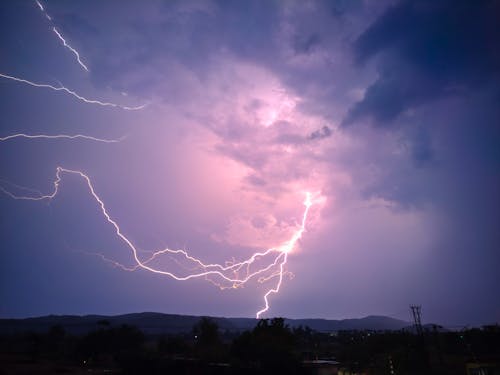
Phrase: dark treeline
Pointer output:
(270, 348)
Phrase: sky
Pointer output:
(224, 116)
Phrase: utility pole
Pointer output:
(416, 311)
(424, 358)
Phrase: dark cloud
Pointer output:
(255, 180)
(427, 49)
(289, 139)
(180, 33)
(339, 7)
(421, 148)
(324, 132)
(305, 44)
(397, 90)
(286, 138)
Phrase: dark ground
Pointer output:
(270, 347)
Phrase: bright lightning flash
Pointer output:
(230, 275)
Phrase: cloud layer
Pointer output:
(387, 110)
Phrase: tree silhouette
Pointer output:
(269, 347)
(208, 345)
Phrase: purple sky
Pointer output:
(386, 110)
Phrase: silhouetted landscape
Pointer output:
(154, 343)
(157, 323)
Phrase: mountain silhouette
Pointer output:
(152, 323)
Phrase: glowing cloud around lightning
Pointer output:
(228, 275)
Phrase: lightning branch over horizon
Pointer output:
(231, 274)
(61, 38)
(286, 248)
(72, 93)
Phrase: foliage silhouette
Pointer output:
(269, 347)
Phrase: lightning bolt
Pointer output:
(5, 191)
(20, 187)
(231, 274)
(263, 266)
(65, 44)
(285, 250)
(61, 38)
(72, 93)
(60, 136)
(43, 10)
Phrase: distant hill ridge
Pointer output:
(158, 323)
